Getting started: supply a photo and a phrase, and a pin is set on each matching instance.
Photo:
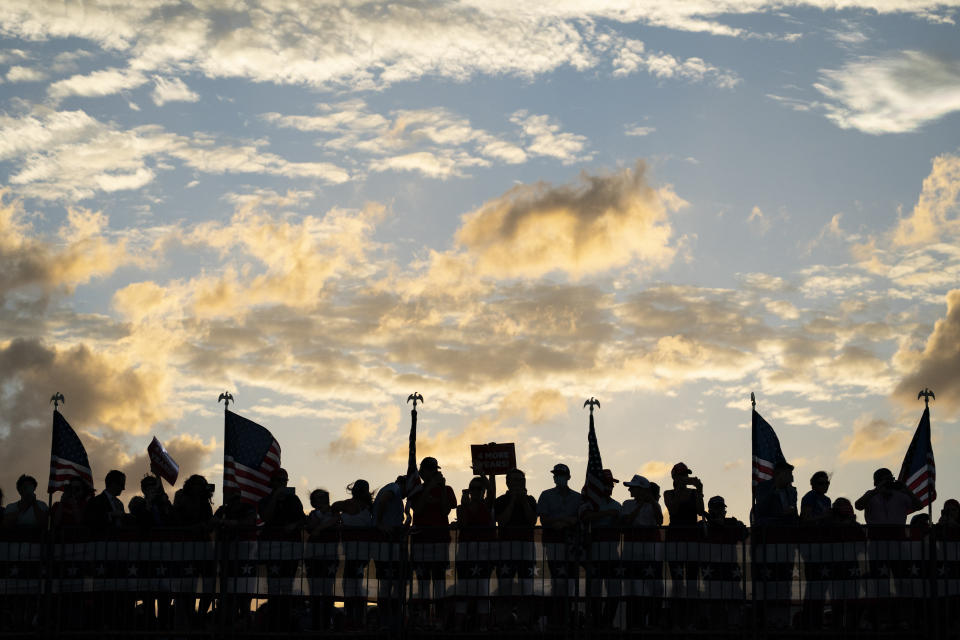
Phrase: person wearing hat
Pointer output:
(358, 523)
(641, 510)
(889, 502)
(815, 505)
(721, 591)
(603, 552)
(685, 500)
(431, 502)
(778, 506)
(559, 509)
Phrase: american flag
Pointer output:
(766, 450)
(594, 489)
(68, 458)
(250, 457)
(918, 471)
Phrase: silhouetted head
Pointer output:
(516, 481)
(561, 475)
(198, 487)
(882, 477)
(477, 488)
(782, 474)
(360, 491)
(716, 508)
(920, 522)
(820, 482)
(115, 482)
(655, 491)
(320, 499)
(842, 511)
(27, 486)
(608, 480)
(279, 479)
(950, 511)
(149, 484)
(429, 467)
(638, 486)
(679, 474)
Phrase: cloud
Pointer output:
(638, 131)
(874, 439)
(937, 212)
(938, 365)
(655, 469)
(546, 139)
(84, 253)
(102, 390)
(632, 56)
(96, 84)
(538, 406)
(606, 221)
(758, 221)
(19, 73)
(171, 90)
(897, 93)
(71, 155)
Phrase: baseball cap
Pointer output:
(429, 461)
(560, 469)
(680, 469)
(637, 481)
(716, 501)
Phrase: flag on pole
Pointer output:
(250, 457)
(161, 463)
(68, 458)
(594, 488)
(766, 451)
(918, 471)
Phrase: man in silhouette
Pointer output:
(774, 517)
(28, 515)
(283, 517)
(516, 514)
(889, 502)
(559, 509)
(388, 516)
(815, 505)
(431, 502)
(104, 512)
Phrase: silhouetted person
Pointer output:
(28, 515)
(66, 515)
(603, 553)
(843, 593)
(889, 502)
(559, 509)
(641, 517)
(814, 512)
(722, 580)
(193, 506)
(431, 502)
(516, 515)
(152, 508)
(233, 522)
(322, 560)
(388, 515)
(476, 525)
(815, 505)
(282, 514)
(356, 518)
(778, 505)
(641, 510)
(949, 522)
(104, 512)
(685, 504)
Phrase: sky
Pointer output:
(506, 207)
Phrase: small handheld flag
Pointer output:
(161, 463)
(68, 458)
(918, 471)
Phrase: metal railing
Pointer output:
(852, 581)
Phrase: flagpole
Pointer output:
(227, 398)
(55, 400)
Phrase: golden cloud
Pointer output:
(938, 365)
(935, 215)
(100, 390)
(874, 439)
(604, 222)
(655, 469)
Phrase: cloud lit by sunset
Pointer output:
(507, 209)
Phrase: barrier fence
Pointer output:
(853, 581)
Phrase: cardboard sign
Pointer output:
(493, 458)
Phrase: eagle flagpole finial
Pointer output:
(416, 397)
(592, 402)
(56, 400)
(226, 397)
(753, 400)
(926, 394)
